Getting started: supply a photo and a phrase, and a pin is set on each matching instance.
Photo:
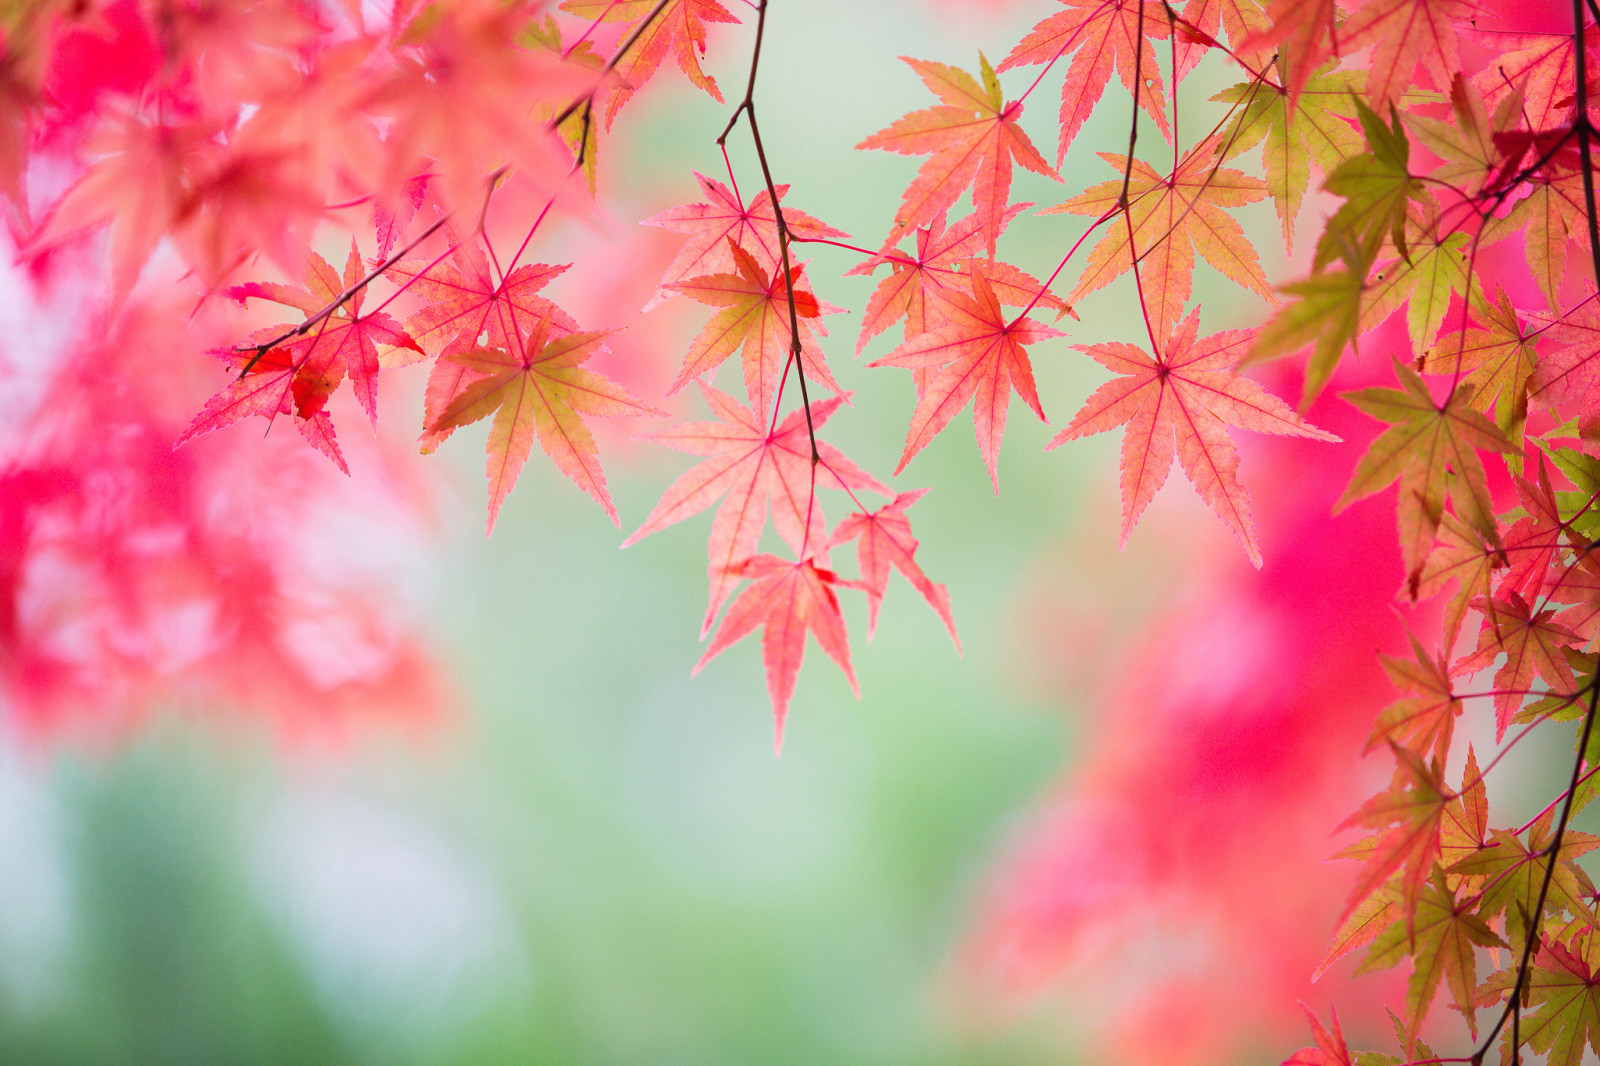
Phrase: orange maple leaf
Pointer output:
(1182, 399)
(755, 316)
(537, 389)
(1172, 217)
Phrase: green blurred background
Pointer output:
(599, 859)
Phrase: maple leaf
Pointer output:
(977, 356)
(1433, 451)
(1466, 145)
(296, 375)
(755, 317)
(1565, 379)
(973, 137)
(1326, 315)
(679, 28)
(723, 217)
(539, 390)
(1314, 130)
(1377, 187)
(1405, 34)
(1442, 942)
(1531, 642)
(1549, 218)
(883, 538)
(1201, 20)
(1171, 217)
(1514, 872)
(1562, 991)
(1102, 36)
(751, 468)
(1181, 400)
(916, 288)
(1463, 556)
(1424, 282)
(1538, 67)
(1301, 34)
(1407, 818)
(1496, 360)
(1424, 719)
(459, 90)
(1330, 1050)
(786, 599)
(462, 298)
(345, 343)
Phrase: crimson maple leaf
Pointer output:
(1181, 400)
(537, 389)
(723, 217)
(973, 136)
(755, 467)
(343, 344)
(755, 316)
(298, 374)
(978, 356)
(786, 599)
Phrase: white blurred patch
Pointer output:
(406, 938)
(723, 814)
(36, 900)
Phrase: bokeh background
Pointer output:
(591, 857)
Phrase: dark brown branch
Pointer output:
(747, 108)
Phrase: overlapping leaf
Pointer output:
(786, 599)
(751, 468)
(1181, 401)
(1172, 216)
(979, 356)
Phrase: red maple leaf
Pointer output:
(977, 355)
(723, 217)
(1182, 399)
(973, 136)
(786, 599)
(751, 468)
(297, 375)
(883, 537)
(679, 28)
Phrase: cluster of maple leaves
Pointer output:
(236, 129)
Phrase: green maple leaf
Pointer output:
(1562, 996)
(1432, 451)
(1327, 314)
(1441, 945)
(1315, 129)
(1377, 188)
